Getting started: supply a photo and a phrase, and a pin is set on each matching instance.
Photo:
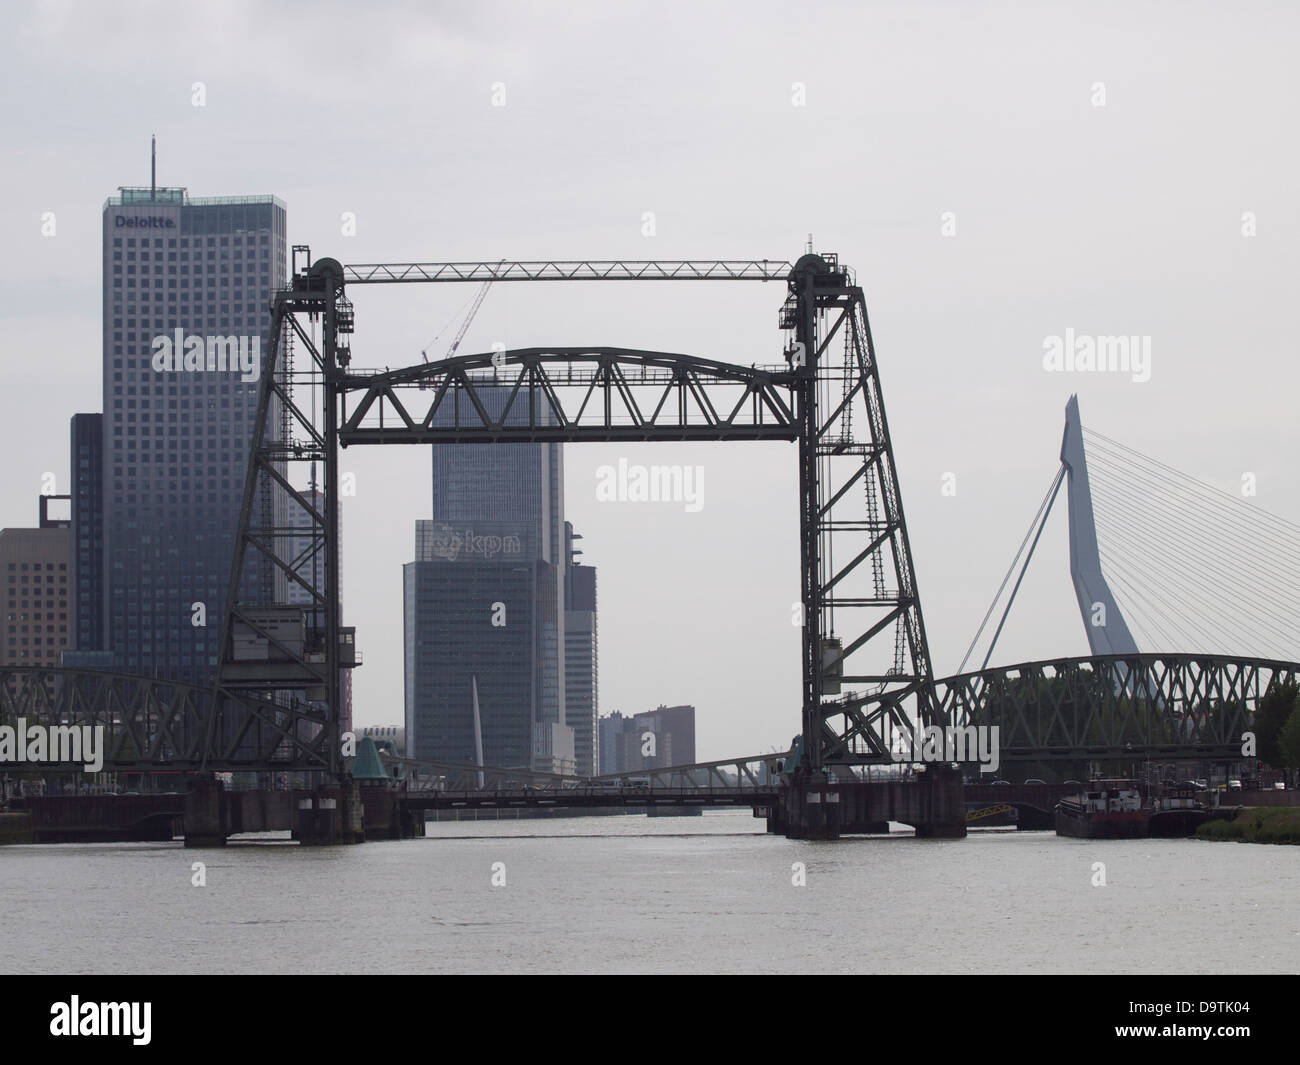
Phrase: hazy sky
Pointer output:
(1125, 218)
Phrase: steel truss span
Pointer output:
(750, 773)
(571, 395)
(577, 270)
(153, 725)
(1099, 708)
(1117, 706)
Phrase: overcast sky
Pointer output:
(1097, 161)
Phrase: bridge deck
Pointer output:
(590, 798)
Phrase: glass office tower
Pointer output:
(497, 536)
(187, 286)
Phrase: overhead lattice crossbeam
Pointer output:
(568, 394)
(584, 270)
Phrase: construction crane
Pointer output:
(469, 318)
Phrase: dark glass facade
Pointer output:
(581, 659)
(175, 441)
(87, 456)
(449, 609)
(497, 535)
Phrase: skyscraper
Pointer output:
(86, 634)
(618, 744)
(581, 657)
(187, 286)
(470, 616)
(485, 598)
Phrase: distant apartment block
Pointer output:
(673, 729)
(37, 564)
(655, 739)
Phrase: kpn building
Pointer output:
(484, 608)
(186, 292)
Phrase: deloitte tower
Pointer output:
(187, 286)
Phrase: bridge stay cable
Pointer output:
(1039, 519)
(1198, 556)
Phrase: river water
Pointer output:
(634, 894)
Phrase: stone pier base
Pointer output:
(813, 808)
(205, 813)
(330, 816)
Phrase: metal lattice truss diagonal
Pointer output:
(1117, 706)
(152, 724)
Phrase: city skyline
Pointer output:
(1022, 261)
(806, 489)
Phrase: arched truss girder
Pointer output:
(747, 772)
(569, 394)
(154, 724)
(1117, 706)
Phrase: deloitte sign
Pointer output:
(142, 221)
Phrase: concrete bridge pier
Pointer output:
(938, 804)
(329, 817)
(811, 808)
(387, 816)
(205, 813)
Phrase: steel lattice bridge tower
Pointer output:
(866, 672)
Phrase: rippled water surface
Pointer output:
(634, 894)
